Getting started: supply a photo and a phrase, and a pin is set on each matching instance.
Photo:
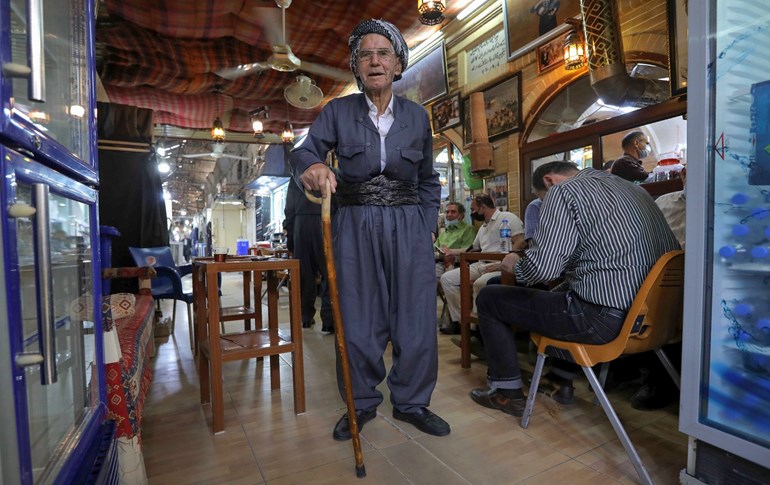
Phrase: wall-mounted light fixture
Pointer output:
(218, 131)
(256, 122)
(431, 11)
(288, 133)
(574, 49)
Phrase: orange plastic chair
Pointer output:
(654, 319)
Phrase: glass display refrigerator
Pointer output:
(52, 383)
(725, 406)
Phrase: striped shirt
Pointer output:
(602, 233)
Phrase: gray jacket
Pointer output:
(344, 125)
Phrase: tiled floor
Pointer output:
(265, 442)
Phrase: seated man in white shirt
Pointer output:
(673, 207)
(487, 241)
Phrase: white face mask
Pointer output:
(448, 223)
(644, 152)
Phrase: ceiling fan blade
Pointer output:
(326, 71)
(233, 73)
(200, 155)
(271, 20)
(236, 157)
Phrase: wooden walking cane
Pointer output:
(326, 222)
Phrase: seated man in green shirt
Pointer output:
(457, 235)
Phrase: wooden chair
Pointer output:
(653, 320)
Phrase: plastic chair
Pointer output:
(168, 284)
(654, 319)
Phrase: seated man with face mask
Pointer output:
(636, 146)
(457, 236)
(487, 241)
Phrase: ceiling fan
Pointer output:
(283, 59)
(218, 151)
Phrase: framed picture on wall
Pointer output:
(502, 103)
(467, 133)
(425, 80)
(497, 188)
(551, 54)
(446, 113)
(677, 45)
(529, 23)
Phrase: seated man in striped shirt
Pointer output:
(603, 234)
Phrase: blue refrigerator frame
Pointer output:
(31, 155)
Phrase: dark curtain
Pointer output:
(130, 187)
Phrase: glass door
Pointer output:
(48, 63)
(51, 221)
(726, 386)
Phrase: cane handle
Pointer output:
(325, 202)
(312, 198)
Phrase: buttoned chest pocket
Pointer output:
(409, 163)
(353, 163)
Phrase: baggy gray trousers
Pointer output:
(387, 289)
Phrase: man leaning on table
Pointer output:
(604, 235)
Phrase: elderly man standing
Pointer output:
(588, 219)
(457, 235)
(487, 241)
(388, 195)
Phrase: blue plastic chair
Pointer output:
(168, 284)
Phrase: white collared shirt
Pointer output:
(488, 237)
(383, 123)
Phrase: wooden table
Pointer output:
(466, 301)
(215, 348)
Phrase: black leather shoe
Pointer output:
(451, 329)
(327, 329)
(308, 324)
(494, 400)
(557, 388)
(564, 394)
(424, 420)
(342, 428)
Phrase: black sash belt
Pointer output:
(378, 191)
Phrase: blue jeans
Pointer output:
(557, 314)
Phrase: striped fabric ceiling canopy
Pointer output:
(163, 55)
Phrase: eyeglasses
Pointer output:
(383, 54)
